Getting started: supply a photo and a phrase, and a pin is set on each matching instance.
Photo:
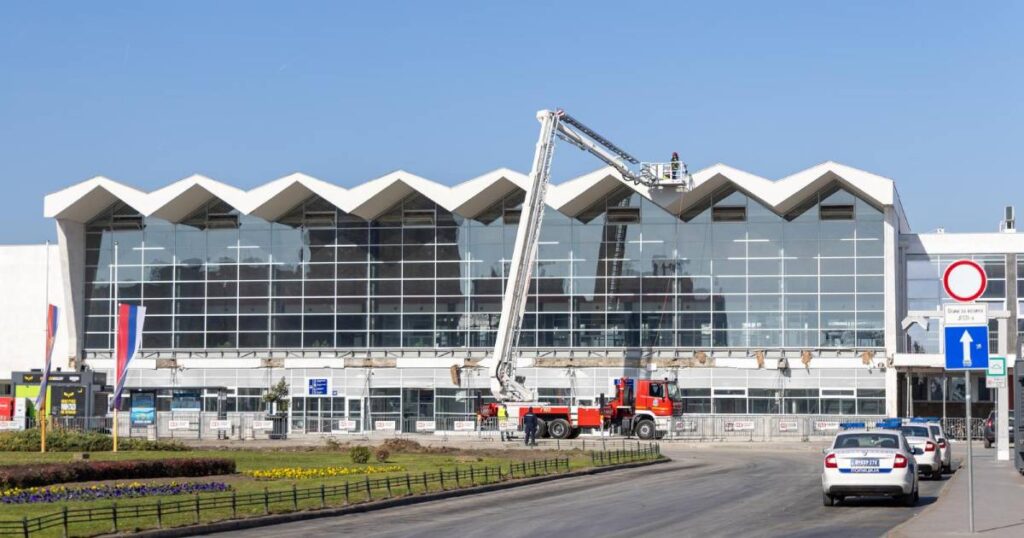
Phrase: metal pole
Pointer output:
(945, 393)
(46, 362)
(970, 452)
(116, 373)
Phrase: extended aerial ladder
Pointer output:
(506, 386)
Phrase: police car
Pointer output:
(945, 447)
(929, 460)
(875, 462)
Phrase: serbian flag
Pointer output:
(51, 334)
(126, 346)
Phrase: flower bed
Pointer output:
(105, 491)
(320, 472)
(24, 476)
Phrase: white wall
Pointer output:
(23, 307)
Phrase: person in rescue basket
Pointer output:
(530, 427)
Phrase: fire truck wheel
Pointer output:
(575, 433)
(559, 428)
(645, 429)
(542, 429)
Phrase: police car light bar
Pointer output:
(851, 425)
(924, 419)
(889, 424)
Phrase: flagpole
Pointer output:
(116, 373)
(46, 334)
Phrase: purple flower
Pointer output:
(106, 491)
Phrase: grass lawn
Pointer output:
(414, 464)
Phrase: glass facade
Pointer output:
(924, 292)
(728, 273)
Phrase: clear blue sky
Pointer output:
(146, 93)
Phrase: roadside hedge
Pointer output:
(72, 441)
(32, 475)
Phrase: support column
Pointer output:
(892, 392)
(1002, 424)
(71, 246)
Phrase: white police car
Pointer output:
(929, 458)
(945, 447)
(863, 462)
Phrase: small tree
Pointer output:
(277, 397)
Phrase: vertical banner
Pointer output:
(128, 340)
(51, 333)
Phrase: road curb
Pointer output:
(942, 499)
(303, 515)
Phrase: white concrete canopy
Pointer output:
(84, 201)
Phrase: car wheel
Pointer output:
(559, 428)
(827, 499)
(645, 429)
(910, 499)
(988, 444)
(937, 473)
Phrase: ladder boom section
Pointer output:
(505, 386)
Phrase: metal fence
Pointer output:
(181, 425)
(241, 426)
(955, 428)
(117, 517)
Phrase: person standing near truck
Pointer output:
(530, 427)
(503, 422)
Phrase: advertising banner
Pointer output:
(143, 411)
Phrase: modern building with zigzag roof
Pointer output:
(807, 295)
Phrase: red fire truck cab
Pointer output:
(641, 407)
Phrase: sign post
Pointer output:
(965, 339)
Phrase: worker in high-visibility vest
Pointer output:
(502, 422)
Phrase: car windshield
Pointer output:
(867, 440)
(673, 392)
(915, 431)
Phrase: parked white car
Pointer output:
(945, 447)
(864, 462)
(929, 458)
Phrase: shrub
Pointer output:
(26, 476)
(382, 454)
(359, 454)
(398, 444)
(333, 444)
(72, 441)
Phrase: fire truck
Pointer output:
(644, 407)
(641, 406)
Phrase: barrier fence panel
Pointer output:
(955, 428)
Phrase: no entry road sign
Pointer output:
(964, 280)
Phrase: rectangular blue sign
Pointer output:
(966, 348)
(317, 387)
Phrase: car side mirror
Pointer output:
(918, 451)
(825, 450)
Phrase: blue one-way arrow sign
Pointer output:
(966, 348)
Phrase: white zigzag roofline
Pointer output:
(83, 201)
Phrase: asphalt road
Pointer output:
(706, 492)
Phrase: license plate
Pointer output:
(864, 470)
(865, 462)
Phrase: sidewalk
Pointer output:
(998, 501)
